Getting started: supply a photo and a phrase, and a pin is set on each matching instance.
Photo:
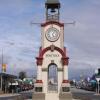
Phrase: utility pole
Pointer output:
(1, 68)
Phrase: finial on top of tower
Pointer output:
(52, 1)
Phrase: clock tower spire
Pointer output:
(52, 29)
(52, 10)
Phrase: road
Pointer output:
(84, 95)
(26, 95)
(77, 94)
(10, 97)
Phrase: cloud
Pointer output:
(20, 40)
(83, 39)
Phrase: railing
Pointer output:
(53, 17)
(52, 87)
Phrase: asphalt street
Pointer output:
(84, 95)
(26, 95)
(10, 96)
(77, 94)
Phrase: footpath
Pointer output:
(11, 97)
(15, 97)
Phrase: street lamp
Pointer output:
(96, 71)
(3, 67)
(1, 70)
(98, 79)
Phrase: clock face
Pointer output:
(52, 34)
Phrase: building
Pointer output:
(5, 79)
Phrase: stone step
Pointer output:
(65, 96)
(50, 96)
(38, 96)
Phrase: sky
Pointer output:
(20, 40)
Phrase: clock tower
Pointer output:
(52, 61)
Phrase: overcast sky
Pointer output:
(20, 40)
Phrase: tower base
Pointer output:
(38, 87)
(65, 87)
(38, 96)
(65, 96)
(65, 93)
(38, 92)
(50, 96)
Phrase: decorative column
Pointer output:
(39, 70)
(65, 83)
(39, 74)
(65, 74)
(65, 69)
(39, 84)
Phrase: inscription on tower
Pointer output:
(52, 55)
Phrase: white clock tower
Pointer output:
(52, 61)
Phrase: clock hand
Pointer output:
(51, 34)
(54, 34)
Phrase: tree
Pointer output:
(22, 75)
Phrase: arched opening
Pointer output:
(52, 77)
